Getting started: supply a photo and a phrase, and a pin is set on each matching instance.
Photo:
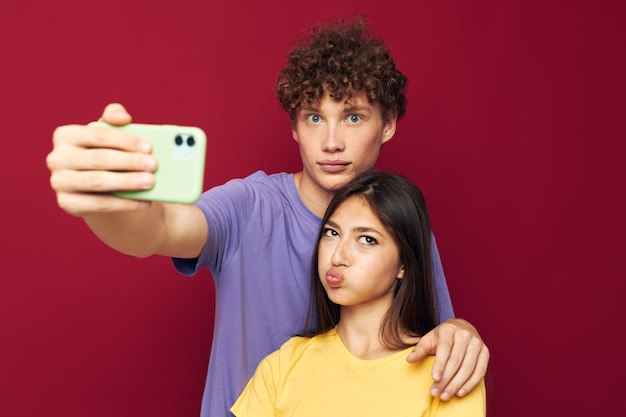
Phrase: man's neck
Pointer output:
(314, 198)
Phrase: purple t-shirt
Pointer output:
(259, 251)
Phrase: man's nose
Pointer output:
(333, 139)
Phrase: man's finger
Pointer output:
(115, 114)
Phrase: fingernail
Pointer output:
(445, 396)
(461, 392)
(148, 164)
(434, 392)
(145, 181)
(144, 146)
(437, 376)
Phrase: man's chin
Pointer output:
(340, 183)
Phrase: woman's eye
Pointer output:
(330, 232)
(367, 240)
(315, 118)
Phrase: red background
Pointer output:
(514, 132)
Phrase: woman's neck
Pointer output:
(360, 333)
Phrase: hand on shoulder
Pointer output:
(461, 357)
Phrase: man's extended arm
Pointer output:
(88, 163)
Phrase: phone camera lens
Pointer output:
(178, 140)
(191, 141)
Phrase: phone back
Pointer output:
(180, 152)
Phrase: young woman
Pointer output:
(373, 297)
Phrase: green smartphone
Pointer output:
(180, 152)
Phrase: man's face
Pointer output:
(339, 140)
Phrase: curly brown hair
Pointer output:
(341, 57)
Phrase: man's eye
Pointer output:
(354, 118)
(314, 118)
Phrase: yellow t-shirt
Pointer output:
(319, 377)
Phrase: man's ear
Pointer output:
(294, 130)
(389, 129)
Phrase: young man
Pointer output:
(344, 96)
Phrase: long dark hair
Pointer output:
(401, 208)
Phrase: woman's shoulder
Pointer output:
(298, 343)
(298, 347)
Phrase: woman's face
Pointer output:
(358, 259)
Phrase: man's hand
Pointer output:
(87, 163)
(461, 358)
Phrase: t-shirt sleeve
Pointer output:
(227, 209)
(259, 396)
(443, 295)
(474, 404)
